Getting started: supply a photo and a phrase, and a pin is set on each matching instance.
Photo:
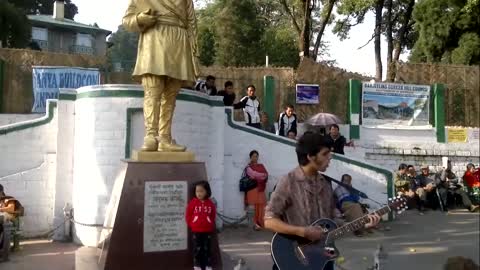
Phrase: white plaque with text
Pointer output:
(164, 227)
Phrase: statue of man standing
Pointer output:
(166, 59)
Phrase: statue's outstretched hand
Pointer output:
(146, 19)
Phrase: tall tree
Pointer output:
(15, 27)
(45, 7)
(302, 14)
(447, 31)
(403, 35)
(392, 20)
(240, 32)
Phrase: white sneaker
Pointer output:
(197, 268)
(208, 268)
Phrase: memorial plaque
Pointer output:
(150, 232)
(164, 221)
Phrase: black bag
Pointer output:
(246, 183)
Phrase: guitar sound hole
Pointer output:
(327, 226)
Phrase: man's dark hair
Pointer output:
(345, 176)
(410, 166)
(1, 188)
(205, 185)
(334, 126)
(293, 131)
(310, 144)
(470, 165)
(289, 106)
(228, 83)
(402, 166)
(210, 77)
(253, 152)
(252, 86)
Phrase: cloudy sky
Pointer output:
(108, 14)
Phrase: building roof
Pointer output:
(48, 20)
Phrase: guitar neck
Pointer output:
(356, 224)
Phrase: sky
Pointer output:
(108, 15)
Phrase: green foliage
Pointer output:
(45, 7)
(240, 31)
(124, 48)
(447, 31)
(206, 46)
(281, 47)
(15, 26)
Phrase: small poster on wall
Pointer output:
(457, 135)
(308, 94)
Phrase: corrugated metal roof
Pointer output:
(64, 23)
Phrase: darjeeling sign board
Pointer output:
(164, 216)
(395, 105)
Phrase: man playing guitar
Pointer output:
(304, 195)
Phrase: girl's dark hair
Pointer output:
(402, 166)
(205, 185)
(310, 144)
(253, 152)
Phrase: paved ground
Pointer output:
(414, 242)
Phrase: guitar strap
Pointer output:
(349, 188)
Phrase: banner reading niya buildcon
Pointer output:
(48, 80)
(392, 104)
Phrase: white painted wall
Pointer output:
(28, 171)
(7, 119)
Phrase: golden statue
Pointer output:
(166, 60)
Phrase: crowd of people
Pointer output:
(253, 115)
(286, 123)
(442, 189)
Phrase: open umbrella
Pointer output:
(323, 119)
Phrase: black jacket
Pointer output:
(337, 144)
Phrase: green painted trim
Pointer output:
(67, 97)
(137, 94)
(128, 133)
(269, 97)
(439, 90)
(52, 104)
(354, 132)
(2, 70)
(354, 96)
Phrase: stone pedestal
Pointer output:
(150, 232)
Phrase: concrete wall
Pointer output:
(28, 168)
(7, 119)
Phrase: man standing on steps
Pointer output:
(251, 107)
(167, 58)
(287, 121)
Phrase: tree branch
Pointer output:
(370, 40)
(323, 24)
(292, 17)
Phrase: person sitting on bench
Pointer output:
(447, 182)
